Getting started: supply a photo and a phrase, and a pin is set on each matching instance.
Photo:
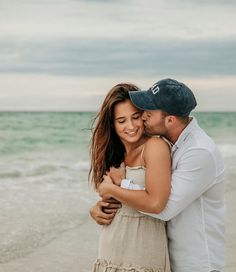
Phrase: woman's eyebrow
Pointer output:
(123, 117)
(119, 117)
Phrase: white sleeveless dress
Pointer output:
(133, 242)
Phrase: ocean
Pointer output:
(44, 163)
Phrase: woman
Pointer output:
(133, 241)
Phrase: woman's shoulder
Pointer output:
(155, 148)
(156, 140)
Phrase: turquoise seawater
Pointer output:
(44, 162)
(39, 131)
(32, 131)
(221, 126)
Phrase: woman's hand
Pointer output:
(104, 189)
(117, 174)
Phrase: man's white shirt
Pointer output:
(196, 207)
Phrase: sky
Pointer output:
(65, 55)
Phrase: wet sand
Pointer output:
(72, 251)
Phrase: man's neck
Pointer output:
(174, 133)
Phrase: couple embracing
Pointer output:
(161, 180)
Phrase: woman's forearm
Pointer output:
(138, 199)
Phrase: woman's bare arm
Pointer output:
(157, 180)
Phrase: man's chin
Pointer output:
(148, 132)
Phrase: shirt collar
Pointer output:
(184, 134)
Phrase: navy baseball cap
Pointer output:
(168, 95)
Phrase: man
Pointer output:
(196, 207)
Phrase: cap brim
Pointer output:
(143, 100)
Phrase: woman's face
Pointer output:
(128, 122)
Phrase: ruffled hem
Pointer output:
(108, 266)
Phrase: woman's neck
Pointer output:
(130, 147)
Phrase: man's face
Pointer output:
(154, 122)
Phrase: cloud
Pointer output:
(70, 51)
(73, 93)
(100, 57)
(211, 2)
(117, 19)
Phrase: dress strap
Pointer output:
(164, 139)
(167, 141)
(155, 136)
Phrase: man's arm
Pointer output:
(103, 212)
(195, 173)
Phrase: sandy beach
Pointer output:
(73, 251)
(76, 249)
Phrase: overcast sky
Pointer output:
(67, 54)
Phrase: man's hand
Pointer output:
(104, 212)
(117, 174)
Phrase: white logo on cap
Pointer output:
(155, 89)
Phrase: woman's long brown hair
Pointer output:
(106, 148)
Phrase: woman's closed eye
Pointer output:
(137, 116)
(121, 121)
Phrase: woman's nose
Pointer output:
(144, 116)
(130, 124)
